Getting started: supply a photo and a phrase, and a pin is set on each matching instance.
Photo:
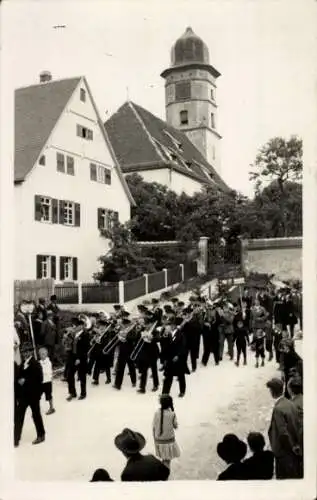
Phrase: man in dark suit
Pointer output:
(78, 360)
(49, 334)
(139, 467)
(28, 391)
(284, 433)
(261, 464)
(176, 359)
(295, 390)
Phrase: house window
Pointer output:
(45, 266)
(46, 209)
(84, 132)
(107, 218)
(212, 120)
(60, 158)
(100, 174)
(182, 91)
(70, 165)
(42, 160)
(69, 212)
(83, 95)
(183, 116)
(68, 268)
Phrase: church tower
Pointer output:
(190, 95)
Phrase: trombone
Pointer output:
(138, 348)
(120, 337)
(98, 338)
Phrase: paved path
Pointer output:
(80, 434)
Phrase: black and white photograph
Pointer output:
(158, 304)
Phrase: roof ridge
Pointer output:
(132, 106)
(42, 84)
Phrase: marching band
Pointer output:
(108, 343)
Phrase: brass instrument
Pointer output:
(145, 337)
(98, 338)
(120, 337)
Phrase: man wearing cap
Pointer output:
(78, 360)
(49, 335)
(29, 379)
(125, 348)
(148, 356)
(175, 359)
(139, 467)
(284, 433)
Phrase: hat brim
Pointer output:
(119, 443)
(232, 454)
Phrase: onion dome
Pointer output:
(189, 48)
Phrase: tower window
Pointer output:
(183, 115)
(212, 120)
(212, 94)
(182, 91)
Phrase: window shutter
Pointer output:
(60, 160)
(99, 218)
(54, 211)
(61, 268)
(53, 266)
(182, 90)
(70, 165)
(77, 214)
(93, 172)
(39, 267)
(75, 268)
(38, 207)
(107, 176)
(61, 212)
(79, 130)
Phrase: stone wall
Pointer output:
(279, 256)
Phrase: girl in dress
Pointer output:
(164, 423)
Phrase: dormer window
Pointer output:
(175, 141)
(188, 164)
(183, 117)
(83, 95)
(42, 160)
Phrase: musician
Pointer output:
(22, 326)
(210, 334)
(125, 348)
(149, 354)
(77, 358)
(192, 332)
(175, 359)
(227, 322)
(157, 312)
(98, 362)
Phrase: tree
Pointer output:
(124, 259)
(279, 161)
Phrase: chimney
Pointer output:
(45, 77)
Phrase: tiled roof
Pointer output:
(137, 136)
(37, 109)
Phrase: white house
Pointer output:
(68, 183)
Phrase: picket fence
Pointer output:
(105, 293)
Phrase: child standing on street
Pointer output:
(241, 339)
(164, 423)
(258, 342)
(47, 385)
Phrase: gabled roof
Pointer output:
(137, 136)
(37, 109)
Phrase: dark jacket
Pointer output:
(176, 356)
(145, 468)
(233, 472)
(49, 333)
(284, 430)
(33, 376)
(260, 465)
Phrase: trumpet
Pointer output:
(145, 337)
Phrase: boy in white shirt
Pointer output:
(47, 378)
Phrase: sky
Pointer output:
(263, 50)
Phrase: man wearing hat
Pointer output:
(149, 354)
(139, 467)
(284, 433)
(125, 348)
(49, 334)
(79, 359)
(29, 379)
(232, 451)
(176, 359)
